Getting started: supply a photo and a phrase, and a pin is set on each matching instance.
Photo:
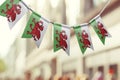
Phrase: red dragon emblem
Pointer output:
(12, 12)
(62, 40)
(85, 39)
(36, 30)
(102, 30)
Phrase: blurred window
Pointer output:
(101, 69)
(90, 73)
(88, 5)
(113, 69)
(98, 2)
(91, 4)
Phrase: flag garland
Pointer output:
(83, 37)
(99, 28)
(36, 27)
(13, 10)
(61, 38)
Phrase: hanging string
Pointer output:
(27, 6)
(100, 13)
(45, 19)
(103, 9)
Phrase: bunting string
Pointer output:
(103, 9)
(27, 6)
(37, 25)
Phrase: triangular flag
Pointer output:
(13, 10)
(83, 37)
(61, 38)
(36, 28)
(100, 28)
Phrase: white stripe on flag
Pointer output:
(67, 30)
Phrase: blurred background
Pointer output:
(20, 58)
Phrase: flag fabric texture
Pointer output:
(13, 10)
(100, 28)
(83, 37)
(61, 38)
(36, 28)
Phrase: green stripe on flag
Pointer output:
(79, 38)
(30, 22)
(4, 6)
(57, 27)
(95, 26)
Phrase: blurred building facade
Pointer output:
(62, 64)
(45, 62)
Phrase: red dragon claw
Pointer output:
(28, 32)
(79, 34)
(33, 20)
(57, 32)
(2, 11)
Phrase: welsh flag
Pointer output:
(100, 28)
(36, 28)
(13, 10)
(61, 38)
(83, 37)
